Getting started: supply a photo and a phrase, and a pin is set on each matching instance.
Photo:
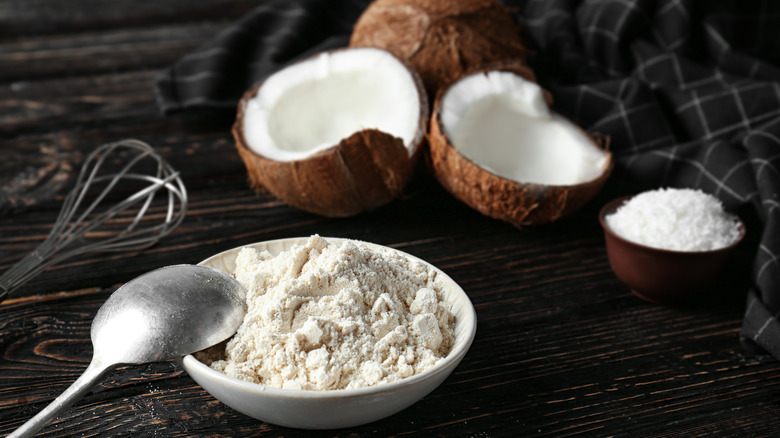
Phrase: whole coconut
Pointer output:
(441, 39)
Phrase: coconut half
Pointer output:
(336, 134)
(495, 145)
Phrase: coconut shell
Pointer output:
(520, 204)
(441, 39)
(361, 173)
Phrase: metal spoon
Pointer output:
(162, 315)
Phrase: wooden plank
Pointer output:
(58, 103)
(34, 17)
(107, 51)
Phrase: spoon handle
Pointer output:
(81, 386)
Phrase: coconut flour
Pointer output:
(675, 219)
(327, 316)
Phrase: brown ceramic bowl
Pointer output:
(660, 275)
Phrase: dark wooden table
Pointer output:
(562, 347)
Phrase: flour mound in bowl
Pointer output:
(325, 316)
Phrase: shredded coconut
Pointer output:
(327, 316)
(675, 219)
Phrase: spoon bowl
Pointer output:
(168, 313)
(162, 315)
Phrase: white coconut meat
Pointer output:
(314, 104)
(501, 122)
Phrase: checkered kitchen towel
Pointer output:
(688, 90)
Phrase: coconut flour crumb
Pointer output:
(675, 219)
(327, 316)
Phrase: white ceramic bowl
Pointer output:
(306, 409)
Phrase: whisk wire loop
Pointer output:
(69, 237)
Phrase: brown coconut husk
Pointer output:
(441, 39)
(520, 204)
(363, 172)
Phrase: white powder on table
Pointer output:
(675, 219)
(333, 316)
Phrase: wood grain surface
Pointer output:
(562, 347)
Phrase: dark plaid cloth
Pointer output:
(689, 92)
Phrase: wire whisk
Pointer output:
(92, 221)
